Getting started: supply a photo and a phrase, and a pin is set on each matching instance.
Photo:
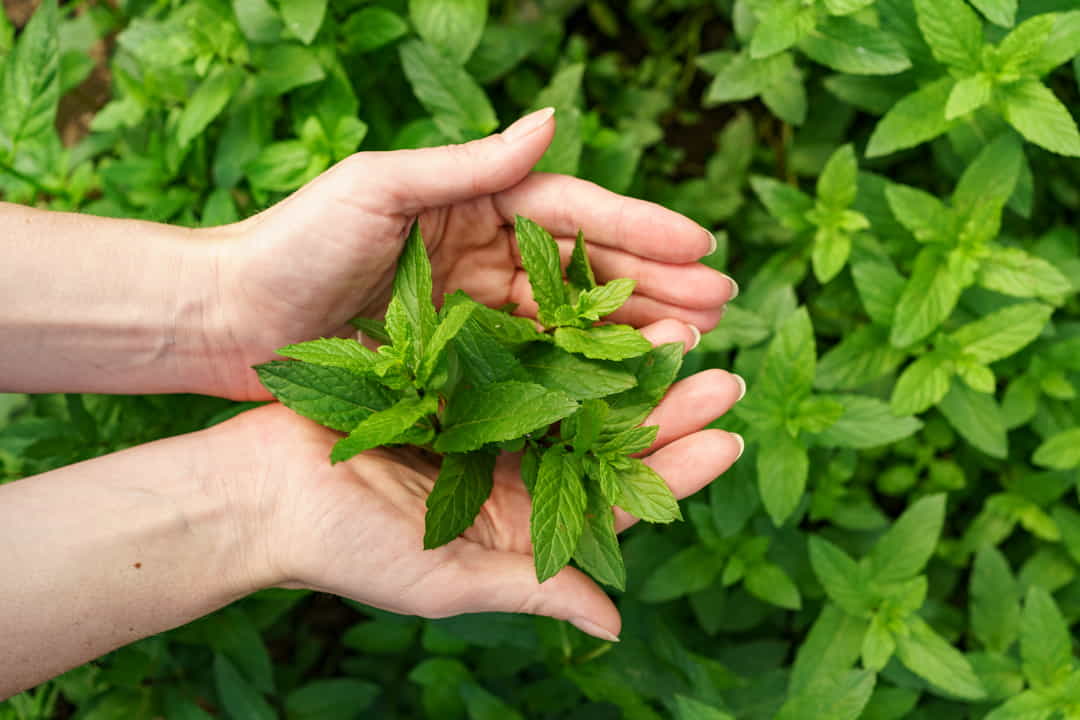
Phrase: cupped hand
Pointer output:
(304, 267)
(356, 529)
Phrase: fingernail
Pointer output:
(526, 125)
(734, 288)
(713, 243)
(742, 386)
(590, 628)
(742, 444)
(697, 337)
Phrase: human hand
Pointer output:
(304, 267)
(355, 529)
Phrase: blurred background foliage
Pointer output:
(894, 185)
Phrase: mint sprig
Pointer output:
(468, 382)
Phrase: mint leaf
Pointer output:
(994, 600)
(782, 472)
(999, 12)
(1062, 45)
(583, 428)
(452, 27)
(916, 118)
(866, 422)
(787, 373)
(303, 18)
(332, 352)
(384, 427)
(1060, 451)
(581, 379)
(928, 298)
(374, 329)
(1019, 51)
(832, 246)
(879, 286)
(459, 105)
(1045, 642)
(462, 487)
(837, 186)
(642, 492)
(630, 441)
(207, 102)
(1013, 271)
(921, 213)
(902, 552)
(850, 46)
(991, 177)
(688, 571)
(484, 360)
(410, 316)
(238, 697)
(604, 342)
(1002, 333)
(788, 205)
(838, 698)
(953, 31)
(840, 577)
(969, 94)
(597, 550)
(861, 357)
(1040, 117)
(932, 658)
(373, 27)
(604, 299)
(769, 583)
(783, 24)
(580, 272)
(558, 508)
(540, 258)
(497, 412)
(331, 396)
(449, 326)
(977, 417)
(922, 385)
(31, 80)
(655, 371)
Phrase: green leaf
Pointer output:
(977, 417)
(783, 466)
(332, 352)
(969, 94)
(850, 46)
(1040, 117)
(498, 412)
(207, 102)
(540, 258)
(903, 551)
(994, 601)
(643, 493)
(1062, 45)
(830, 649)
(584, 427)
(787, 204)
(626, 442)
(837, 185)
(839, 698)
(840, 577)
(1028, 705)
(605, 299)
(1013, 271)
(598, 551)
(771, 584)
(581, 379)
(999, 12)
(923, 384)
(655, 371)
(580, 272)
(373, 27)
(861, 357)
(461, 489)
(564, 153)
(7, 36)
(484, 360)
(449, 326)
(782, 25)
(558, 510)
(303, 17)
(384, 427)
(453, 26)
(991, 177)
(879, 286)
(929, 656)
(331, 699)
(238, 697)
(787, 373)
(688, 708)
(953, 31)
(457, 102)
(604, 342)
(332, 396)
(1045, 642)
(913, 120)
(928, 298)
(285, 166)
(31, 80)
(258, 21)
(1060, 451)
(1020, 50)
(287, 66)
(410, 316)
(688, 571)
(832, 246)
(879, 644)
(1002, 333)
(867, 422)
(921, 213)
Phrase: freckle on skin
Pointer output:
(137, 565)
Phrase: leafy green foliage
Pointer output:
(892, 183)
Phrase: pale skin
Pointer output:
(102, 553)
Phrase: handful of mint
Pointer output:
(469, 382)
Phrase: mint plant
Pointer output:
(468, 382)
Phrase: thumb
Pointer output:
(409, 181)
(496, 581)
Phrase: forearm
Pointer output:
(93, 304)
(102, 553)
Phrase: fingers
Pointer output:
(409, 181)
(693, 403)
(689, 464)
(563, 205)
(669, 331)
(496, 581)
